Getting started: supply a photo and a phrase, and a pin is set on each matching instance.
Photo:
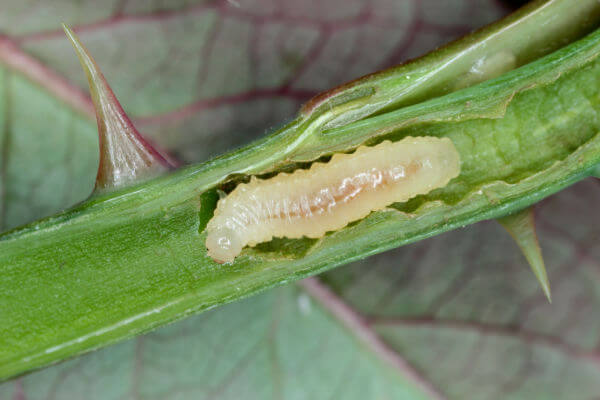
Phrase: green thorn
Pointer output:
(596, 172)
(125, 156)
(521, 227)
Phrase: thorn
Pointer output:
(125, 156)
(521, 227)
(596, 172)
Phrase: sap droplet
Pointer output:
(487, 67)
(304, 304)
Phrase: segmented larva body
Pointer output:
(328, 196)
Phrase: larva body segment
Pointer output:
(330, 195)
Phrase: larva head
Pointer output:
(223, 244)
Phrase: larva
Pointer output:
(328, 196)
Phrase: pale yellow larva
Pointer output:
(328, 196)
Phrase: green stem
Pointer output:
(128, 261)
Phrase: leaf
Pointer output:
(149, 233)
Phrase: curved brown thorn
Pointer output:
(125, 156)
(521, 227)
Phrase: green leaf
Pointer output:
(181, 269)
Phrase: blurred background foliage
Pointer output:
(458, 316)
